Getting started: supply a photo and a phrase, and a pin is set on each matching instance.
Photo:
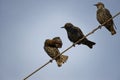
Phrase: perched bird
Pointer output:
(51, 48)
(103, 15)
(75, 33)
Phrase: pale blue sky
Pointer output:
(25, 24)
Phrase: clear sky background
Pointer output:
(25, 24)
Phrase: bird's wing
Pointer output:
(110, 16)
(108, 13)
(79, 31)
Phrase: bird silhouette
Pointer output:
(51, 48)
(74, 34)
(103, 15)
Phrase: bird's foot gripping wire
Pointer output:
(74, 44)
(100, 26)
(51, 60)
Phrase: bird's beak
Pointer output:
(62, 27)
(95, 4)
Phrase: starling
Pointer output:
(75, 33)
(103, 15)
(51, 48)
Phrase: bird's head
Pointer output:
(67, 26)
(58, 41)
(99, 5)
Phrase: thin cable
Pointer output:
(50, 61)
(37, 70)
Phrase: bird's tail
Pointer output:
(89, 43)
(113, 31)
(62, 59)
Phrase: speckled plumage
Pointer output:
(103, 15)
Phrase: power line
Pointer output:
(50, 61)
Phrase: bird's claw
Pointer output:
(100, 26)
(74, 44)
(51, 60)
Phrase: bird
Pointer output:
(51, 47)
(74, 34)
(102, 15)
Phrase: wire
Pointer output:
(50, 61)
